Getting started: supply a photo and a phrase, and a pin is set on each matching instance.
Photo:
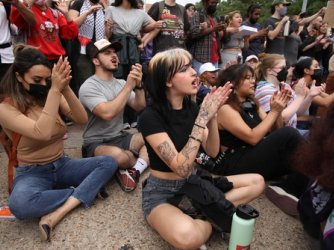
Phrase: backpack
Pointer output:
(10, 147)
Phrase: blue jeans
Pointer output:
(40, 189)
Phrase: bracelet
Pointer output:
(139, 87)
(200, 126)
(194, 138)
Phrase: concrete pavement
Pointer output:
(118, 221)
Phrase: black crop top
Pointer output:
(251, 118)
(178, 129)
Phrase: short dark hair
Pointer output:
(188, 5)
(252, 8)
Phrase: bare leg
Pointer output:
(137, 144)
(246, 187)
(49, 221)
(177, 228)
(124, 158)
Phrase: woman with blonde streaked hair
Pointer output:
(174, 129)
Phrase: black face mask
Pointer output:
(211, 9)
(317, 75)
(39, 91)
(281, 76)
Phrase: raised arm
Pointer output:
(24, 11)
(231, 120)
(182, 162)
(41, 129)
(272, 34)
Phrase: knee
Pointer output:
(108, 163)
(186, 237)
(258, 182)
(19, 205)
(291, 133)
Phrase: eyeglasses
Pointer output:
(250, 78)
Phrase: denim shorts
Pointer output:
(157, 191)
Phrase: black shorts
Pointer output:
(122, 141)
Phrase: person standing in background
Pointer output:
(256, 41)
(204, 35)
(275, 25)
(89, 16)
(173, 28)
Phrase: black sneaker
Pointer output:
(279, 195)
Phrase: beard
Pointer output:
(107, 68)
(252, 21)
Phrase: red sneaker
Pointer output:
(5, 213)
(128, 179)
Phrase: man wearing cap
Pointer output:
(275, 25)
(208, 76)
(105, 98)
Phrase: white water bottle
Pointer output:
(286, 28)
(242, 227)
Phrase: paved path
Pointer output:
(117, 221)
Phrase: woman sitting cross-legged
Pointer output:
(174, 129)
(47, 184)
(249, 145)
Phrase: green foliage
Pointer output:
(295, 8)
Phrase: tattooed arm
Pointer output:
(182, 163)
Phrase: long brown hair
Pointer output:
(25, 58)
(235, 74)
(315, 157)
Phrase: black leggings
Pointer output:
(271, 157)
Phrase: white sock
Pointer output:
(140, 165)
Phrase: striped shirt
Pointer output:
(263, 93)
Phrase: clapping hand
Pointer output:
(316, 90)
(135, 76)
(280, 100)
(61, 74)
(213, 101)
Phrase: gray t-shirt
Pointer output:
(93, 92)
(277, 45)
(127, 21)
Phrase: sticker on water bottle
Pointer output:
(242, 247)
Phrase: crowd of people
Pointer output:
(202, 95)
